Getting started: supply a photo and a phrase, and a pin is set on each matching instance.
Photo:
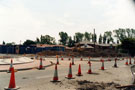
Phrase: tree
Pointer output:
(78, 37)
(104, 39)
(120, 34)
(70, 42)
(109, 38)
(118, 42)
(3, 43)
(63, 38)
(37, 41)
(12, 43)
(47, 39)
(128, 46)
(100, 39)
(130, 33)
(29, 42)
(87, 36)
(94, 37)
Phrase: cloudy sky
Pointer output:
(28, 19)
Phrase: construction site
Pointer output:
(67, 45)
(57, 72)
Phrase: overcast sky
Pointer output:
(28, 19)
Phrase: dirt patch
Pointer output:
(88, 85)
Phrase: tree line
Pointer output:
(115, 37)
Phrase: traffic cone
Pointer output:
(115, 64)
(130, 62)
(62, 58)
(12, 85)
(102, 67)
(89, 71)
(73, 61)
(79, 71)
(11, 66)
(55, 78)
(126, 63)
(109, 59)
(41, 64)
(70, 76)
(89, 61)
(81, 59)
(57, 60)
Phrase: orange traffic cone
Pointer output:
(73, 61)
(89, 61)
(79, 71)
(81, 59)
(11, 66)
(115, 64)
(102, 67)
(126, 63)
(12, 85)
(109, 59)
(55, 78)
(41, 64)
(57, 60)
(89, 71)
(62, 58)
(130, 62)
(70, 76)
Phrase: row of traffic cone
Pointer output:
(12, 84)
(70, 76)
(57, 62)
(130, 61)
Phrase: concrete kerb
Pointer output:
(18, 63)
(23, 69)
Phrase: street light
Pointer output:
(94, 40)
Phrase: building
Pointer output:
(33, 49)
(90, 46)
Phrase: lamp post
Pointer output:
(94, 40)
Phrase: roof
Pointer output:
(47, 45)
(88, 42)
(86, 46)
(69, 48)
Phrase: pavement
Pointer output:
(22, 63)
(19, 60)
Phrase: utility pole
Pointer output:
(94, 39)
